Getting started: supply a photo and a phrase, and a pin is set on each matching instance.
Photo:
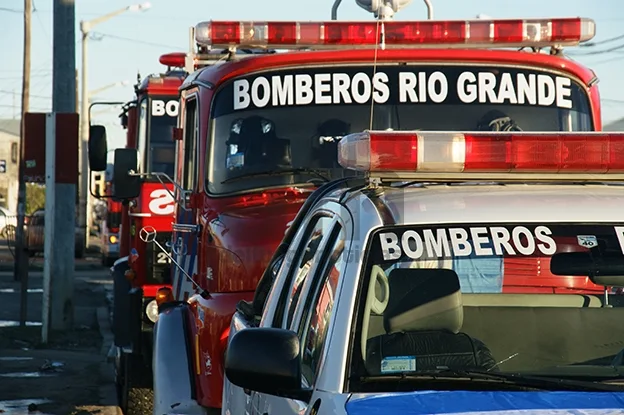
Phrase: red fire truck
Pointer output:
(257, 136)
(141, 269)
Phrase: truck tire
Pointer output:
(137, 394)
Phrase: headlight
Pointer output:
(152, 311)
(112, 239)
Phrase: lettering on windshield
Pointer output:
(162, 108)
(419, 243)
(619, 232)
(437, 87)
(467, 241)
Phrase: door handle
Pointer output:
(184, 227)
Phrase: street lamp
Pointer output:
(85, 27)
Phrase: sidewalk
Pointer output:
(68, 376)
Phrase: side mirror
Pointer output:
(277, 373)
(98, 149)
(126, 186)
(124, 120)
(605, 270)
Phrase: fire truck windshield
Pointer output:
(155, 143)
(292, 119)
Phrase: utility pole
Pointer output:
(21, 258)
(83, 161)
(59, 279)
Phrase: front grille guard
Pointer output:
(158, 273)
(149, 235)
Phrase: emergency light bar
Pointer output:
(368, 34)
(515, 156)
(173, 60)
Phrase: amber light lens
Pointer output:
(164, 295)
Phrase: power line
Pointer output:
(613, 59)
(140, 42)
(599, 52)
(601, 42)
(6, 9)
(42, 75)
(4, 91)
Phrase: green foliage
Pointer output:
(35, 197)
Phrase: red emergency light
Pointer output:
(494, 153)
(367, 34)
(173, 60)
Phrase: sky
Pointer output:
(132, 42)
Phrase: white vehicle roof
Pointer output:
(487, 203)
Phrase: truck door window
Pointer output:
(308, 255)
(163, 117)
(313, 328)
(190, 144)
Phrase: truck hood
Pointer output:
(487, 403)
(256, 212)
(251, 233)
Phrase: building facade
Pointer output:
(9, 162)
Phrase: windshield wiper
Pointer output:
(519, 379)
(277, 173)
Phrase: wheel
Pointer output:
(137, 394)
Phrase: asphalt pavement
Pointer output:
(70, 374)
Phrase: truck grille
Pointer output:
(158, 266)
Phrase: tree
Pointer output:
(35, 197)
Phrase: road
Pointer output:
(89, 287)
(92, 260)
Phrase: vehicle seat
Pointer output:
(422, 321)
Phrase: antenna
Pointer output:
(334, 12)
(429, 9)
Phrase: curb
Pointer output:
(108, 393)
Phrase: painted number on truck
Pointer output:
(162, 258)
(161, 202)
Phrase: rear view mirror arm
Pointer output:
(158, 176)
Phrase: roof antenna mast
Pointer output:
(385, 9)
(334, 13)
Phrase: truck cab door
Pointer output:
(185, 235)
(308, 306)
